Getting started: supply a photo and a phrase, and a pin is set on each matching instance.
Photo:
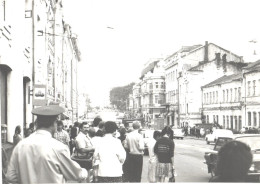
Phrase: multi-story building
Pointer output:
(153, 90)
(196, 66)
(38, 61)
(251, 95)
(222, 102)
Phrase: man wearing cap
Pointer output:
(135, 144)
(42, 159)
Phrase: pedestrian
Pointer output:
(135, 144)
(96, 122)
(234, 161)
(202, 132)
(110, 153)
(101, 129)
(17, 135)
(30, 130)
(84, 148)
(164, 149)
(73, 134)
(152, 176)
(61, 135)
(42, 159)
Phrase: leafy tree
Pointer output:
(119, 96)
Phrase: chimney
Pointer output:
(224, 58)
(206, 52)
(217, 56)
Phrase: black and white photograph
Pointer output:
(130, 91)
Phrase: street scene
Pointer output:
(140, 91)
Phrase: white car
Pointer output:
(218, 133)
(178, 133)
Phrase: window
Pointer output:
(236, 127)
(214, 120)
(227, 121)
(207, 98)
(249, 118)
(204, 98)
(162, 85)
(223, 95)
(248, 88)
(224, 123)
(239, 94)
(156, 99)
(240, 123)
(207, 118)
(254, 88)
(235, 95)
(227, 96)
(254, 114)
(210, 100)
(217, 118)
(231, 122)
(173, 76)
(187, 108)
(231, 96)
(258, 119)
(156, 85)
(216, 97)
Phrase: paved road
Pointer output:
(189, 158)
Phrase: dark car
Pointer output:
(252, 140)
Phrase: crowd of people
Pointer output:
(53, 153)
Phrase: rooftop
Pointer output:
(224, 79)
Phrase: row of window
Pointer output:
(171, 76)
(251, 88)
(172, 96)
(228, 95)
(252, 120)
(232, 122)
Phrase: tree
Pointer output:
(119, 96)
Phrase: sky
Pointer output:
(117, 37)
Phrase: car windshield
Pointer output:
(253, 142)
(221, 142)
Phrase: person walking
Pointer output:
(62, 135)
(135, 143)
(73, 134)
(101, 128)
(42, 159)
(96, 122)
(164, 149)
(110, 153)
(152, 176)
(17, 135)
(30, 130)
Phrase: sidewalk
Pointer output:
(195, 138)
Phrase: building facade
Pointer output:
(222, 102)
(38, 62)
(251, 95)
(196, 66)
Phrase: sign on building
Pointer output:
(39, 95)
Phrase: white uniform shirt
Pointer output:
(110, 152)
(42, 159)
(135, 143)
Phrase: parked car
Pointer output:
(178, 133)
(213, 137)
(252, 140)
